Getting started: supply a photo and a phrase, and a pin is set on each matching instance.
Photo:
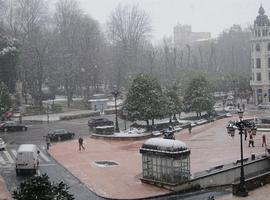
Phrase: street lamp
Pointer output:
(125, 114)
(241, 126)
(115, 93)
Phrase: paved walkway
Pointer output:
(4, 193)
(210, 146)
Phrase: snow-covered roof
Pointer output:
(26, 148)
(165, 145)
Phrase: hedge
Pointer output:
(78, 116)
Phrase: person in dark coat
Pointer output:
(189, 128)
(264, 140)
(81, 144)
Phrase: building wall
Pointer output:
(183, 35)
(260, 41)
(226, 176)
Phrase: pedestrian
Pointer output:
(245, 132)
(264, 140)
(48, 142)
(189, 128)
(81, 144)
(251, 141)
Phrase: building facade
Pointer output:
(183, 35)
(260, 58)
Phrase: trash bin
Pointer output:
(252, 156)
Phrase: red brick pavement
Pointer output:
(210, 146)
(4, 193)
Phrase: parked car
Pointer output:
(264, 106)
(94, 122)
(231, 109)
(12, 126)
(60, 134)
(2, 144)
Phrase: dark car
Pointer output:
(60, 134)
(92, 123)
(12, 126)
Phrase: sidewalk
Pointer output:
(4, 193)
(210, 146)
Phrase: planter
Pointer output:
(105, 130)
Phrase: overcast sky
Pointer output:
(203, 15)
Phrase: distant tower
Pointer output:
(260, 57)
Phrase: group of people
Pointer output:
(80, 140)
(251, 139)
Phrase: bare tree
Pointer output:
(27, 21)
(128, 28)
(67, 20)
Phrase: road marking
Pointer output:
(14, 152)
(2, 161)
(8, 157)
(43, 156)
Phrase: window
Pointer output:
(258, 62)
(258, 48)
(259, 76)
(259, 96)
(264, 32)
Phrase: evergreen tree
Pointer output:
(173, 104)
(40, 188)
(145, 100)
(198, 97)
(8, 61)
(5, 101)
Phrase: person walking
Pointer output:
(189, 128)
(245, 132)
(48, 142)
(264, 140)
(251, 141)
(81, 144)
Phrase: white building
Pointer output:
(260, 57)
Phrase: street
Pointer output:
(48, 165)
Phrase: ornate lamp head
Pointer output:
(230, 130)
(240, 114)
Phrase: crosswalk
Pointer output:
(8, 157)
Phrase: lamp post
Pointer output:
(125, 113)
(241, 125)
(48, 115)
(115, 93)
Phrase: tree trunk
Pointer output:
(174, 117)
(153, 122)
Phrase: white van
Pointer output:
(27, 158)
